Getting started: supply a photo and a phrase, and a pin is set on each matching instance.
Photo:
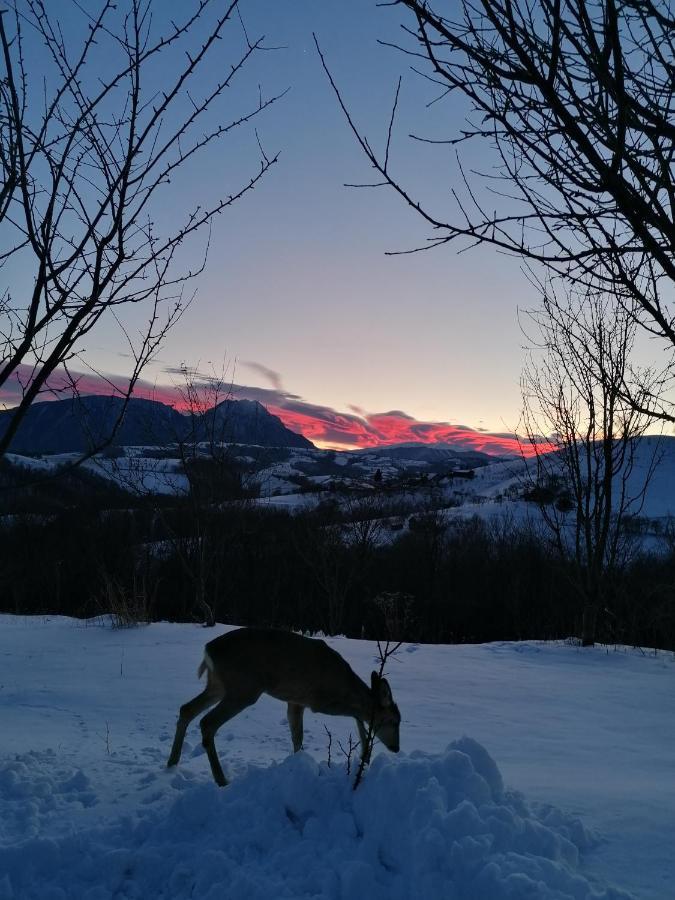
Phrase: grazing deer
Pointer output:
(243, 664)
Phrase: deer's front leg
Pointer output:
(363, 738)
(295, 713)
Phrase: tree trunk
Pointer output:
(589, 623)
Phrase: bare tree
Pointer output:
(577, 100)
(126, 107)
(590, 487)
(204, 476)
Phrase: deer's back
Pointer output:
(285, 665)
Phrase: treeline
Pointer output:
(331, 571)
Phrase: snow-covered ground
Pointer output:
(527, 770)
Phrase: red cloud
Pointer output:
(321, 424)
(345, 431)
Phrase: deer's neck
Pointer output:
(362, 700)
(353, 698)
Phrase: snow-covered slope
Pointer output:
(659, 454)
(563, 787)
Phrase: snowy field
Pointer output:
(527, 771)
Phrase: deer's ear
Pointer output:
(385, 695)
(374, 681)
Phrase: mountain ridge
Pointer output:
(80, 424)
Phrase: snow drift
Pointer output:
(420, 826)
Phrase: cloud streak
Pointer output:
(273, 377)
(323, 425)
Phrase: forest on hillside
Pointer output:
(331, 570)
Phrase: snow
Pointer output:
(564, 788)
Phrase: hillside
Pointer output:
(409, 479)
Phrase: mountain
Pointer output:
(78, 424)
(246, 422)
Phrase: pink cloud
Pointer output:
(321, 424)
(328, 428)
(60, 386)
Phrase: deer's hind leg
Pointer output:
(228, 707)
(188, 712)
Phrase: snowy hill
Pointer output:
(562, 791)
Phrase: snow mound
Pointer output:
(419, 827)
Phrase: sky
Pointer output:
(298, 298)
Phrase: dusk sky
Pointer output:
(299, 299)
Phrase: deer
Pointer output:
(301, 671)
